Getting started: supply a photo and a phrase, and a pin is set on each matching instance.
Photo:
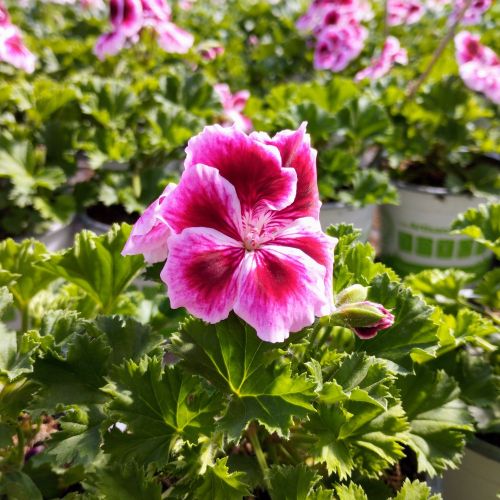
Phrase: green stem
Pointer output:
(259, 454)
(25, 319)
(20, 447)
(438, 52)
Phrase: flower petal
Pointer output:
(281, 290)
(305, 234)
(204, 198)
(173, 39)
(251, 166)
(201, 272)
(109, 44)
(297, 153)
(150, 233)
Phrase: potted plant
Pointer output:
(347, 130)
(471, 354)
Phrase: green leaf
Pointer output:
(6, 299)
(357, 435)
(351, 491)
(158, 406)
(16, 359)
(232, 357)
(440, 287)
(127, 338)
(96, 265)
(415, 490)
(20, 260)
(413, 337)
(18, 486)
(439, 420)
(359, 378)
(292, 482)
(488, 290)
(219, 484)
(125, 482)
(482, 224)
(74, 378)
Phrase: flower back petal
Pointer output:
(252, 167)
(201, 273)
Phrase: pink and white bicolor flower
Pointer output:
(13, 51)
(391, 53)
(479, 66)
(245, 233)
(404, 12)
(233, 106)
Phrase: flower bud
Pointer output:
(364, 318)
(353, 293)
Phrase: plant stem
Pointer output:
(438, 52)
(25, 319)
(259, 454)
(386, 19)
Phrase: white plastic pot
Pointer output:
(58, 236)
(87, 222)
(478, 476)
(416, 234)
(337, 213)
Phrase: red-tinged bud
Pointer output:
(364, 318)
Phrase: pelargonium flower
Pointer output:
(13, 51)
(129, 17)
(245, 233)
(391, 53)
(479, 66)
(337, 46)
(473, 14)
(404, 12)
(210, 50)
(4, 16)
(150, 233)
(233, 106)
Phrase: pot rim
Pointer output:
(340, 204)
(485, 449)
(433, 191)
(85, 219)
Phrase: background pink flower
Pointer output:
(479, 66)
(473, 14)
(233, 106)
(404, 12)
(391, 53)
(129, 17)
(337, 46)
(12, 48)
(245, 233)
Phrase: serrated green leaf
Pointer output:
(6, 299)
(414, 335)
(76, 378)
(219, 484)
(482, 224)
(158, 406)
(21, 259)
(351, 491)
(18, 486)
(125, 482)
(415, 490)
(16, 359)
(127, 338)
(292, 482)
(95, 264)
(488, 290)
(360, 378)
(231, 356)
(360, 435)
(439, 420)
(440, 287)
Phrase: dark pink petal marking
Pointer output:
(297, 153)
(204, 198)
(281, 291)
(252, 167)
(202, 272)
